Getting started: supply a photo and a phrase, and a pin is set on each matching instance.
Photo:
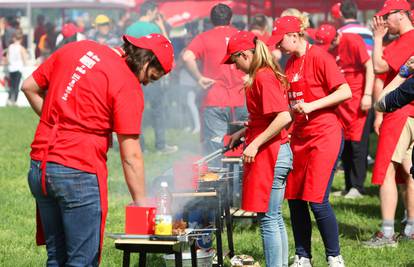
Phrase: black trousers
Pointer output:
(15, 78)
(354, 158)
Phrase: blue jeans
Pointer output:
(215, 125)
(272, 226)
(154, 94)
(70, 214)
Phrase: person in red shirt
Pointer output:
(266, 141)
(354, 62)
(317, 87)
(393, 157)
(259, 27)
(82, 93)
(223, 98)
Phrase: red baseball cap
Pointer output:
(69, 29)
(282, 26)
(159, 45)
(336, 11)
(241, 41)
(324, 35)
(391, 5)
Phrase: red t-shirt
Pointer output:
(320, 71)
(321, 77)
(210, 48)
(90, 93)
(265, 98)
(397, 53)
(351, 53)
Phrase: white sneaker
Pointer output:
(301, 262)
(339, 193)
(337, 261)
(353, 193)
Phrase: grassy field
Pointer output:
(357, 219)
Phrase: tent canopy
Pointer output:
(67, 4)
(179, 12)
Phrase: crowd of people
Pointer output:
(305, 94)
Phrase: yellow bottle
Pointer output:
(163, 218)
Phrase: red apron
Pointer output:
(315, 142)
(258, 176)
(390, 132)
(100, 171)
(351, 115)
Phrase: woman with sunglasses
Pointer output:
(316, 88)
(266, 141)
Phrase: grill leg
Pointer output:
(125, 260)
(142, 259)
(178, 259)
(193, 254)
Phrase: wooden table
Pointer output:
(144, 246)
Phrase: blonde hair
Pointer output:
(302, 16)
(262, 58)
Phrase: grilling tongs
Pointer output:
(220, 151)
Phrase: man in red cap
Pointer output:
(393, 158)
(223, 99)
(83, 93)
(352, 58)
(69, 33)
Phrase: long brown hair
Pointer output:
(137, 57)
(262, 58)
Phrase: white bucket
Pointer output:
(204, 259)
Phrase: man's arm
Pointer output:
(366, 101)
(34, 94)
(379, 31)
(397, 98)
(190, 62)
(133, 166)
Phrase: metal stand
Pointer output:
(143, 246)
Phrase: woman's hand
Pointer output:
(377, 123)
(304, 108)
(250, 153)
(366, 102)
(236, 137)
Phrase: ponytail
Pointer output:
(262, 58)
(302, 16)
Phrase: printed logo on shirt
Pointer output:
(88, 61)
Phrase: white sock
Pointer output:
(409, 228)
(388, 228)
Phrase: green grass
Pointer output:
(357, 219)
